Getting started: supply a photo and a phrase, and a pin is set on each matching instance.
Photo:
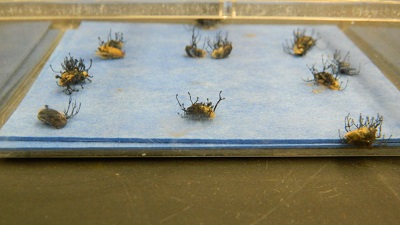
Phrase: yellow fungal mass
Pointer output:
(303, 44)
(74, 77)
(66, 78)
(328, 80)
(222, 52)
(201, 111)
(335, 85)
(107, 52)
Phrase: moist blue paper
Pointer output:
(266, 97)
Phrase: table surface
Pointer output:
(200, 191)
(357, 190)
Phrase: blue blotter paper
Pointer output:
(131, 101)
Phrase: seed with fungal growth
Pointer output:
(364, 133)
(220, 48)
(301, 43)
(55, 118)
(326, 78)
(343, 66)
(74, 73)
(192, 50)
(199, 110)
(112, 49)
